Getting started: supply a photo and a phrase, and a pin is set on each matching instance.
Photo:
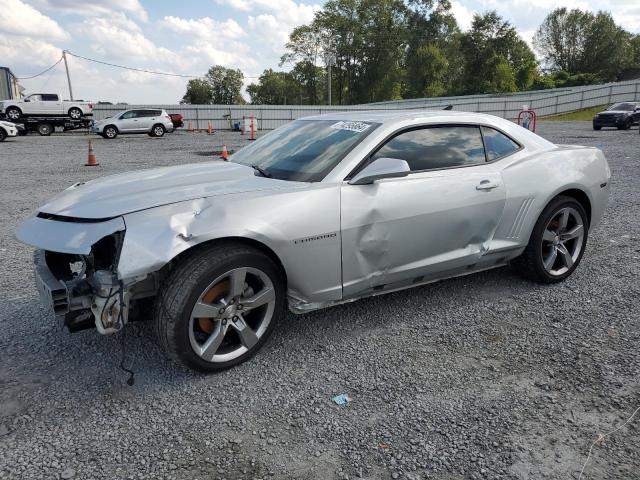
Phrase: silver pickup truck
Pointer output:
(45, 104)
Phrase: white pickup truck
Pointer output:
(45, 104)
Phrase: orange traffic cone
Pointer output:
(209, 128)
(91, 157)
(225, 153)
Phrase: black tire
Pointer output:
(3, 135)
(597, 127)
(110, 132)
(45, 129)
(184, 285)
(13, 113)
(530, 263)
(628, 124)
(158, 130)
(75, 113)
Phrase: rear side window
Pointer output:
(436, 147)
(497, 144)
(46, 97)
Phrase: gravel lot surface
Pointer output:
(486, 376)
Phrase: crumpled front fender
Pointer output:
(154, 237)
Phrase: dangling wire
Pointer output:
(131, 379)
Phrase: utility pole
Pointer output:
(329, 60)
(66, 67)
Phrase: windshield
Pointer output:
(303, 150)
(624, 107)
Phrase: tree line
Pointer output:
(380, 50)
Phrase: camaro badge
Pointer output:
(314, 238)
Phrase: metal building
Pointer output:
(9, 87)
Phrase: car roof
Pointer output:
(392, 116)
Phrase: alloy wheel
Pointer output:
(562, 241)
(158, 131)
(232, 314)
(13, 114)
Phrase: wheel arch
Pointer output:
(230, 240)
(580, 196)
(111, 125)
(73, 107)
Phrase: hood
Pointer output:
(115, 195)
(614, 112)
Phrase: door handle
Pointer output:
(487, 185)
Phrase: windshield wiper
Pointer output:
(261, 171)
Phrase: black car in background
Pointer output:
(621, 115)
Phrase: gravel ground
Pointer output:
(486, 376)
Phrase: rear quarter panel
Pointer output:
(532, 181)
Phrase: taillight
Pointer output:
(91, 105)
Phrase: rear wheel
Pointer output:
(158, 130)
(597, 127)
(3, 135)
(75, 113)
(13, 113)
(45, 129)
(218, 307)
(557, 242)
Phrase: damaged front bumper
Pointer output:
(75, 270)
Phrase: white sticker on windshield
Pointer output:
(358, 127)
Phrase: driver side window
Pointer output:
(430, 148)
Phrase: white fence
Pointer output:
(544, 102)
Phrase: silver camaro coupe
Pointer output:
(321, 211)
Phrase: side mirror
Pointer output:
(379, 169)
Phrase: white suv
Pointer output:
(154, 122)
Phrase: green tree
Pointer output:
(274, 88)
(226, 84)
(199, 92)
(495, 59)
(220, 86)
(432, 63)
(583, 42)
(427, 70)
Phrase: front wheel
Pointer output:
(218, 307)
(110, 132)
(3, 135)
(597, 127)
(557, 242)
(158, 130)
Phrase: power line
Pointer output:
(132, 68)
(41, 73)
(143, 70)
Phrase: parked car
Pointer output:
(621, 115)
(322, 211)
(177, 120)
(7, 129)
(41, 104)
(154, 122)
